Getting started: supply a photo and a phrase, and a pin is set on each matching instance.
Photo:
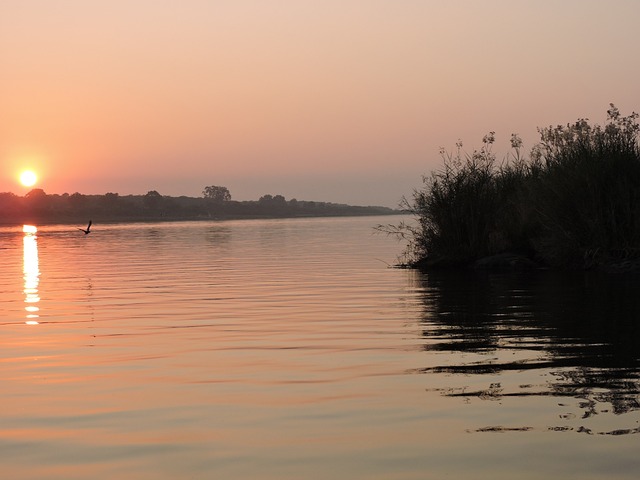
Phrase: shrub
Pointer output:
(587, 195)
(575, 201)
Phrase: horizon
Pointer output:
(344, 102)
(232, 199)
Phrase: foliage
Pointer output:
(40, 207)
(152, 200)
(575, 201)
(588, 190)
(216, 194)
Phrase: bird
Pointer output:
(88, 229)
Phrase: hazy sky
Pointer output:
(335, 100)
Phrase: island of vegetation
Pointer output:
(573, 202)
(215, 204)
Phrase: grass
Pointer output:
(573, 202)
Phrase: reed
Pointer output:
(587, 193)
(575, 201)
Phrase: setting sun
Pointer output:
(28, 178)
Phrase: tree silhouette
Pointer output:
(152, 200)
(36, 194)
(216, 194)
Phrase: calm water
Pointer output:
(286, 349)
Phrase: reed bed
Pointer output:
(574, 201)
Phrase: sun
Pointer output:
(28, 178)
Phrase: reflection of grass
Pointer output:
(588, 431)
(518, 338)
(500, 429)
(574, 202)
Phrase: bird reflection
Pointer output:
(31, 273)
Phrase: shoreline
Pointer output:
(97, 219)
(514, 262)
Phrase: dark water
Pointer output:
(289, 349)
(577, 333)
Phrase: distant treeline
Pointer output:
(216, 203)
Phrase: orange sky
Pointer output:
(335, 100)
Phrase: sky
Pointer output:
(345, 101)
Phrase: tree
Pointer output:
(77, 200)
(36, 194)
(216, 194)
(8, 198)
(273, 201)
(152, 200)
(37, 201)
(110, 199)
(9, 204)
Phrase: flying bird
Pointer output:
(88, 229)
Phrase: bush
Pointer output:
(574, 202)
(588, 191)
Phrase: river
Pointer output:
(288, 349)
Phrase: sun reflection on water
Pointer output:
(31, 272)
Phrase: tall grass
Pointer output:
(574, 202)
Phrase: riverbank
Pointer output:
(38, 207)
(513, 262)
(47, 220)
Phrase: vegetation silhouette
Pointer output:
(37, 206)
(574, 202)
